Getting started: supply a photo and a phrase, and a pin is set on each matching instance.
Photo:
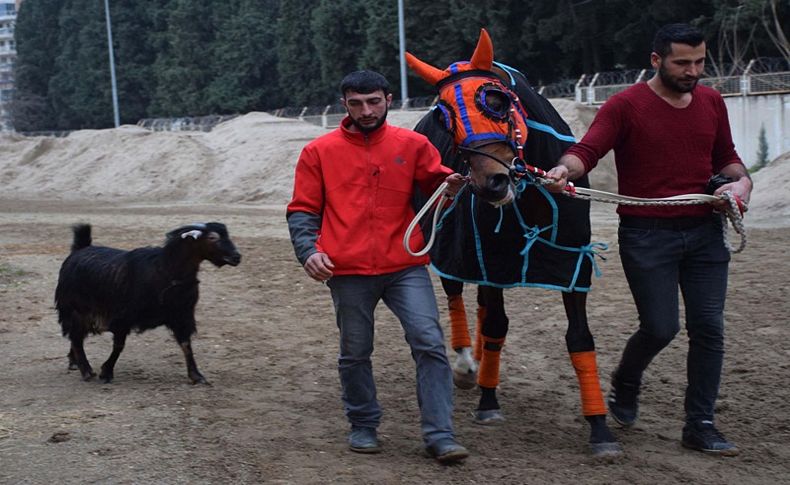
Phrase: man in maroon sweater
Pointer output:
(669, 137)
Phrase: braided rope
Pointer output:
(438, 194)
(732, 213)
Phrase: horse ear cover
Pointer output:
(482, 58)
(426, 71)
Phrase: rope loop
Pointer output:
(438, 194)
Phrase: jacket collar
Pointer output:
(360, 138)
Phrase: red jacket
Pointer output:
(361, 188)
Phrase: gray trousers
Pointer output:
(409, 295)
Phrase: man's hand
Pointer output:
(319, 267)
(569, 167)
(558, 177)
(741, 189)
(454, 183)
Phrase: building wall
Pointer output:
(749, 113)
(7, 59)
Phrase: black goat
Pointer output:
(102, 288)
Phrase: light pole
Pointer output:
(112, 65)
(404, 89)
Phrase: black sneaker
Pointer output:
(623, 402)
(703, 436)
(447, 451)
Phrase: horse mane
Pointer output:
(433, 127)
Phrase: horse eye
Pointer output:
(495, 102)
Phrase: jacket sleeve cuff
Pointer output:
(304, 227)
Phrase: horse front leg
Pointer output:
(465, 365)
(493, 331)
(581, 348)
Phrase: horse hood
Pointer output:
(475, 103)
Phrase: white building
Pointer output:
(7, 59)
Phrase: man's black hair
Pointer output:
(364, 82)
(677, 33)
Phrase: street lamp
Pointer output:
(112, 65)
(404, 89)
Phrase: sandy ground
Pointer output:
(267, 338)
(267, 342)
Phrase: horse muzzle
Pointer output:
(497, 191)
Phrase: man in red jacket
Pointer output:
(669, 136)
(350, 209)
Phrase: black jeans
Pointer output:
(658, 256)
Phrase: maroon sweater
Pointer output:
(660, 150)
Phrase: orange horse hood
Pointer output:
(475, 103)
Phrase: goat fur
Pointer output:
(106, 289)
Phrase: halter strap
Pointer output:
(465, 74)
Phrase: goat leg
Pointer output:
(192, 371)
(78, 353)
(72, 360)
(118, 343)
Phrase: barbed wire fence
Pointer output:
(759, 76)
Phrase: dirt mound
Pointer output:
(579, 117)
(770, 204)
(249, 159)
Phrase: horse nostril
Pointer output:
(498, 183)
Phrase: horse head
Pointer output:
(484, 117)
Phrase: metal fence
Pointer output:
(760, 76)
(185, 123)
(329, 116)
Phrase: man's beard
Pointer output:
(369, 129)
(673, 84)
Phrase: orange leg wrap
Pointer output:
(589, 385)
(488, 375)
(459, 327)
(478, 350)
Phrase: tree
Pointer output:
(80, 90)
(132, 24)
(36, 34)
(774, 27)
(338, 45)
(300, 77)
(183, 64)
(762, 150)
(244, 58)
(380, 51)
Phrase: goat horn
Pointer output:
(193, 233)
(483, 57)
(426, 71)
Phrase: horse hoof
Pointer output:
(606, 451)
(464, 368)
(488, 417)
(464, 380)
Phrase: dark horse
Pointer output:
(504, 229)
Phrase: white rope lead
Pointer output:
(732, 213)
(425, 208)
